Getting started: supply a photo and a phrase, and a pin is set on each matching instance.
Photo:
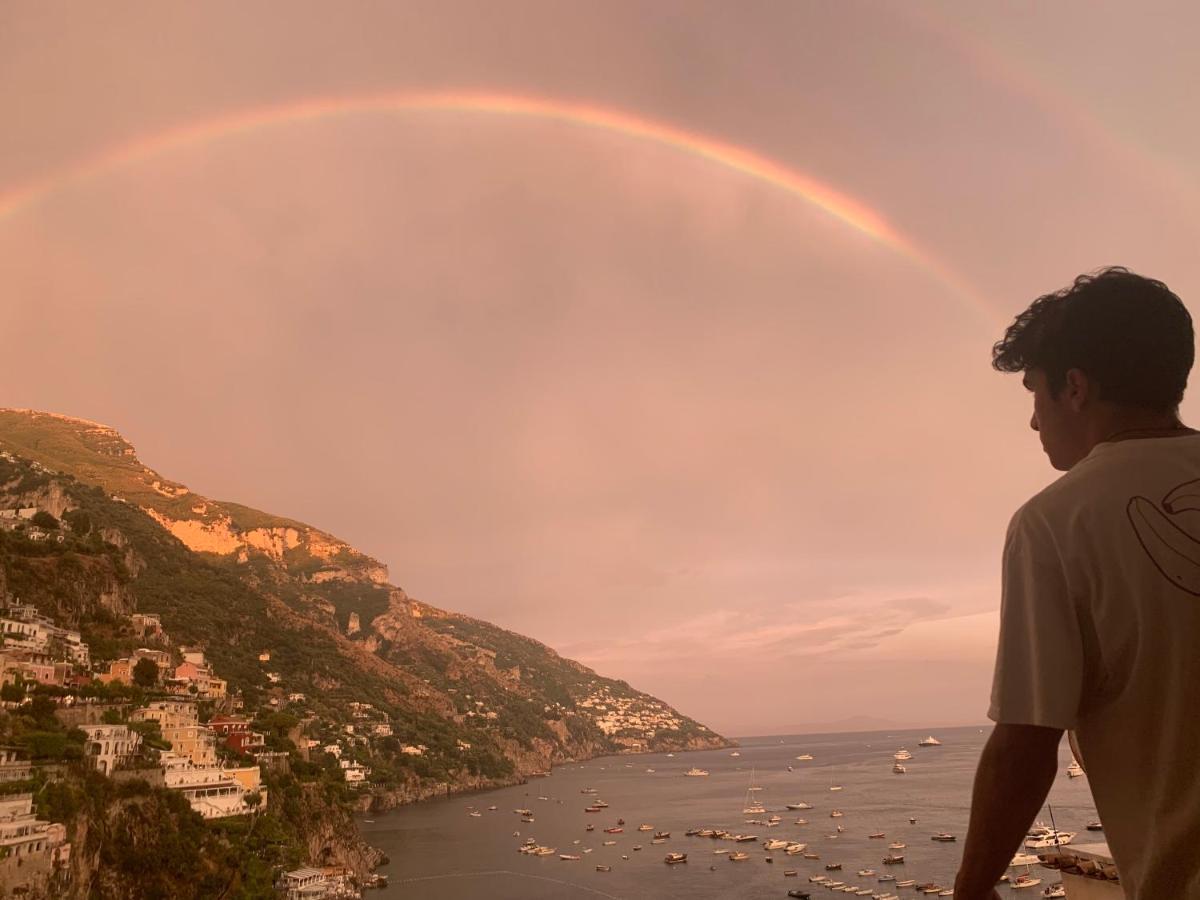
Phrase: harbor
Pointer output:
(663, 834)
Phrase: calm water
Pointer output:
(439, 852)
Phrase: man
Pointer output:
(1100, 612)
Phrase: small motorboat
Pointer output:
(672, 859)
(944, 837)
(603, 868)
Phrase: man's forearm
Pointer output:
(1015, 772)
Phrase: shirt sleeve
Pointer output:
(1039, 661)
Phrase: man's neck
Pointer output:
(1133, 425)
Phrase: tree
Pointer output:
(13, 692)
(43, 519)
(79, 520)
(145, 673)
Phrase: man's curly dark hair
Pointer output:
(1128, 333)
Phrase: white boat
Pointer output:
(693, 772)
(902, 755)
(835, 787)
(1055, 890)
(734, 755)
(1052, 839)
(1024, 881)
(1025, 859)
(774, 844)
(930, 741)
(898, 769)
(836, 813)
(752, 807)
(1074, 770)
(792, 849)
(804, 757)
(798, 805)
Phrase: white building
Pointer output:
(108, 746)
(210, 790)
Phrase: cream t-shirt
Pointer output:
(1100, 633)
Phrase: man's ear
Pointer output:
(1079, 389)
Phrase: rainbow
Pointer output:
(739, 159)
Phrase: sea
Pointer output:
(438, 851)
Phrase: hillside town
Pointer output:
(188, 735)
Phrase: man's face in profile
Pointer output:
(1053, 420)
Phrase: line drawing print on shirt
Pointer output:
(1174, 551)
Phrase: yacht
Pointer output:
(798, 805)
(693, 772)
(1074, 770)
(901, 755)
(793, 848)
(1050, 838)
(673, 858)
(944, 836)
(930, 741)
(1024, 881)
(774, 844)
(1025, 859)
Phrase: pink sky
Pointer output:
(667, 418)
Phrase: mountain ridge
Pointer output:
(515, 703)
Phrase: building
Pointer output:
(108, 746)
(147, 625)
(28, 845)
(236, 734)
(14, 765)
(355, 773)
(304, 884)
(168, 713)
(213, 792)
(119, 670)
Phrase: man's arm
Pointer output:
(1015, 772)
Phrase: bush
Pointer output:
(43, 519)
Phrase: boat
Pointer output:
(734, 755)
(617, 830)
(649, 771)
(738, 856)
(645, 827)
(1025, 859)
(804, 757)
(544, 851)
(893, 859)
(673, 858)
(693, 772)
(793, 848)
(1095, 826)
(661, 835)
(798, 894)
(490, 808)
(886, 877)
(590, 828)
(593, 809)
(836, 814)
(833, 867)
(523, 812)
(1049, 838)
(1024, 881)
(818, 879)
(944, 836)
(865, 873)
(912, 820)
(930, 741)
(692, 832)
(908, 882)
(526, 818)
(774, 844)
(875, 835)
(588, 790)
(599, 804)
(948, 892)
(603, 868)
(901, 755)
(800, 822)
(798, 805)
(790, 873)
(658, 840)
(1074, 770)
(476, 814)
(835, 787)
(811, 855)
(609, 843)
(898, 769)
(1055, 890)
(897, 845)
(568, 856)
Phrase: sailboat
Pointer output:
(753, 805)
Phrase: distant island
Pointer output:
(197, 695)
